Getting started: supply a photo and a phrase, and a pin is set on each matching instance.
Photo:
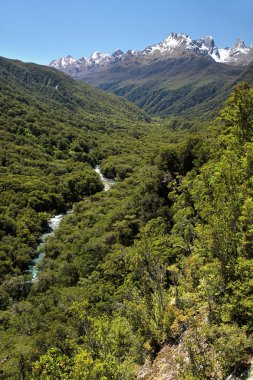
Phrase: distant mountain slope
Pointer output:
(190, 85)
(50, 87)
(176, 76)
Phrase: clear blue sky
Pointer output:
(41, 30)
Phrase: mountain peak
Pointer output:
(63, 62)
(117, 53)
(208, 41)
(177, 39)
(98, 55)
(178, 35)
(238, 54)
(239, 44)
(177, 43)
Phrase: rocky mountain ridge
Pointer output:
(173, 46)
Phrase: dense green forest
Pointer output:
(163, 258)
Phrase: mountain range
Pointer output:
(178, 76)
(173, 46)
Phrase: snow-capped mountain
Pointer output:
(238, 54)
(96, 61)
(63, 62)
(174, 45)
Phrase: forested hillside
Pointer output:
(161, 260)
(50, 128)
(186, 85)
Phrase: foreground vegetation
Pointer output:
(164, 257)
